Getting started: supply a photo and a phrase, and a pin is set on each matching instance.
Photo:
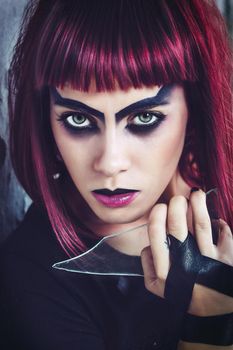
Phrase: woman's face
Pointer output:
(129, 141)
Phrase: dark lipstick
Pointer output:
(117, 198)
(107, 192)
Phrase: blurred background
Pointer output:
(13, 200)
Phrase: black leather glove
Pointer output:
(188, 267)
(212, 330)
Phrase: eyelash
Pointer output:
(92, 128)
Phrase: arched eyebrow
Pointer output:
(160, 99)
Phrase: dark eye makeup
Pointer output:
(78, 122)
(142, 122)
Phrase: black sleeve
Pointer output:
(39, 313)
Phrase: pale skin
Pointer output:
(113, 157)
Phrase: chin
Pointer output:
(120, 217)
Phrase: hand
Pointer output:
(156, 261)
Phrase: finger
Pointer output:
(225, 232)
(225, 243)
(202, 224)
(190, 219)
(158, 238)
(177, 217)
(151, 281)
(148, 268)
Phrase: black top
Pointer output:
(45, 308)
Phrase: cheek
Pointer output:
(77, 161)
(75, 153)
(174, 146)
(174, 137)
(165, 150)
(75, 156)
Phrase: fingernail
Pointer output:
(194, 189)
(212, 202)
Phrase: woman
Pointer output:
(117, 110)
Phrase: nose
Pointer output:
(112, 156)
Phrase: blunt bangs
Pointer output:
(111, 45)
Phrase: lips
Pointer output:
(107, 192)
(117, 198)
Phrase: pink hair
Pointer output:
(132, 43)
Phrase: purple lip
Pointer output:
(115, 199)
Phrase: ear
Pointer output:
(176, 186)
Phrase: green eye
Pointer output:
(145, 122)
(144, 118)
(77, 120)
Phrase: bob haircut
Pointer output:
(133, 43)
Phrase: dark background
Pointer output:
(13, 201)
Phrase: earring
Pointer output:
(56, 176)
